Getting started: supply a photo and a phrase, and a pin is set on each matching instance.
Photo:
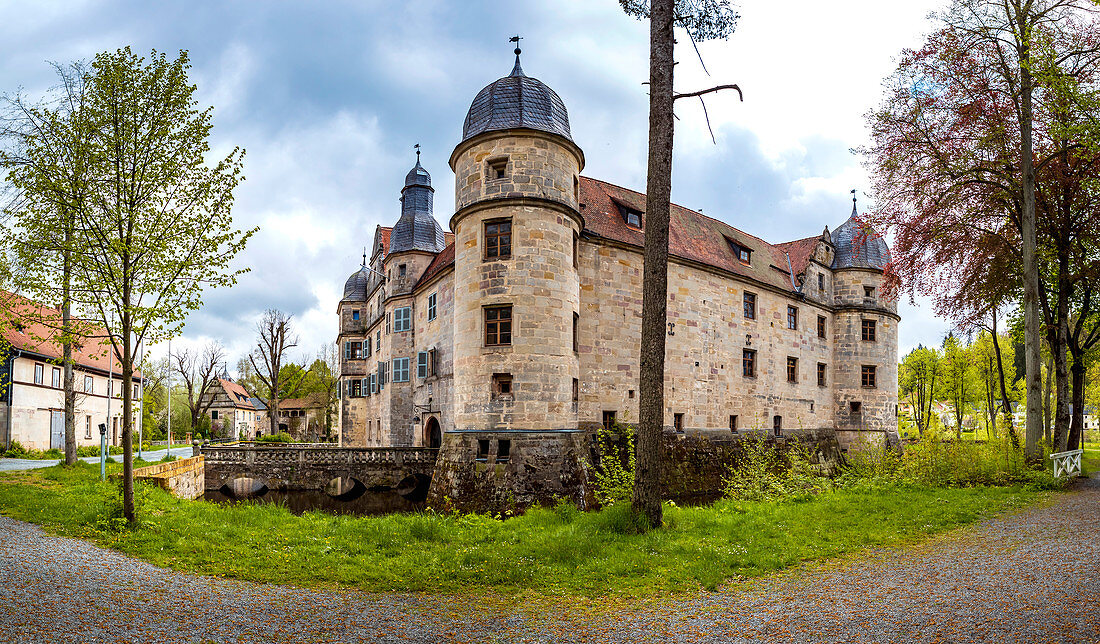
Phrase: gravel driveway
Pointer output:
(1030, 577)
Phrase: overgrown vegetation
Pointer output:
(614, 475)
(281, 437)
(558, 550)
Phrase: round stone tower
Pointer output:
(517, 292)
(865, 339)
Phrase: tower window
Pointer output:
(576, 250)
(431, 307)
(498, 326)
(821, 282)
(502, 386)
(608, 420)
(576, 189)
(749, 301)
(868, 330)
(498, 239)
(498, 168)
(402, 318)
(869, 292)
(867, 376)
(792, 369)
(355, 314)
(402, 270)
(748, 363)
(821, 326)
(576, 390)
(821, 374)
(792, 317)
(576, 332)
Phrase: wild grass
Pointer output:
(559, 550)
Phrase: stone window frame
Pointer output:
(868, 376)
(503, 387)
(868, 293)
(402, 271)
(355, 314)
(868, 330)
(821, 282)
(498, 242)
(748, 363)
(822, 371)
(748, 303)
(496, 333)
(821, 330)
(402, 319)
(496, 168)
(431, 307)
(678, 422)
(576, 332)
(792, 369)
(401, 369)
(608, 419)
(792, 317)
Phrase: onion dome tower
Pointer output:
(417, 228)
(865, 338)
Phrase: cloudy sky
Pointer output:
(328, 98)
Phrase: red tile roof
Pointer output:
(237, 394)
(33, 327)
(692, 235)
(445, 258)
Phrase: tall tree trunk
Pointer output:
(1032, 330)
(67, 352)
(1006, 405)
(127, 414)
(651, 369)
(1077, 422)
(1059, 342)
(1048, 402)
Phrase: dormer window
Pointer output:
(498, 168)
(631, 216)
(742, 253)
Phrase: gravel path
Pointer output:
(9, 464)
(1030, 577)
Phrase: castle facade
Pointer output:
(509, 338)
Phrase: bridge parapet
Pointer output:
(309, 466)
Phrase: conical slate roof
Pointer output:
(859, 246)
(516, 101)
(355, 289)
(417, 229)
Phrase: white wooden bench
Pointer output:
(1067, 463)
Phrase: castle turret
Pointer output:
(517, 291)
(865, 333)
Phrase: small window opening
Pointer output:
(401, 270)
(576, 333)
(855, 407)
(504, 451)
(608, 420)
(869, 292)
(502, 386)
(498, 168)
(821, 374)
(678, 423)
(482, 450)
(576, 390)
(733, 423)
(821, 281)
(821, 326)
(630, 394)
(576, 189)
(777, 425)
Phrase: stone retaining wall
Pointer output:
(183, 478)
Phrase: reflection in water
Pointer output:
(367, 502)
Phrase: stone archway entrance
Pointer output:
(432, 436)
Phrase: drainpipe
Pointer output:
(790, 270)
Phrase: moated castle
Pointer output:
(509, 340)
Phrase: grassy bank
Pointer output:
(553, 551)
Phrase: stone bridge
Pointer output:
(313, 467)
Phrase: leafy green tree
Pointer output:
(958, 379)
(702, 20)
(920, 381)
(160, 229)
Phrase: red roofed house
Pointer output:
(232, 412)
(32, 400)
(510, 338)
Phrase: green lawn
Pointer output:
(550, 551)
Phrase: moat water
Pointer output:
(341, 497)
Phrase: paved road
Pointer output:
(8, 464)
(1031, 577)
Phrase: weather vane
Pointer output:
(417, 148)
(364, 256)
(516, 40)
(853, 197)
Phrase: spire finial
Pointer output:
(364, 256)
(417, 148)
(517, 70)
(853, 201)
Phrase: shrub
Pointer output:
(16, 450)
(614, 473)
(763, 473)
(281, 437)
